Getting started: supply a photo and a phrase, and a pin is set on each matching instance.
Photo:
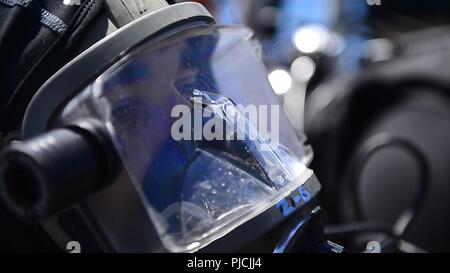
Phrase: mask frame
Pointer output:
(96, 222)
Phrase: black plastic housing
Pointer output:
(45, 174)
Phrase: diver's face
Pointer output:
(142, 115)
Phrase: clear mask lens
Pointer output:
(198, 184)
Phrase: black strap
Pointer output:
(37, 37)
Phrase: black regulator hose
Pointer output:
(43, 175)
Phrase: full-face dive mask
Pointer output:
(148, 141)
